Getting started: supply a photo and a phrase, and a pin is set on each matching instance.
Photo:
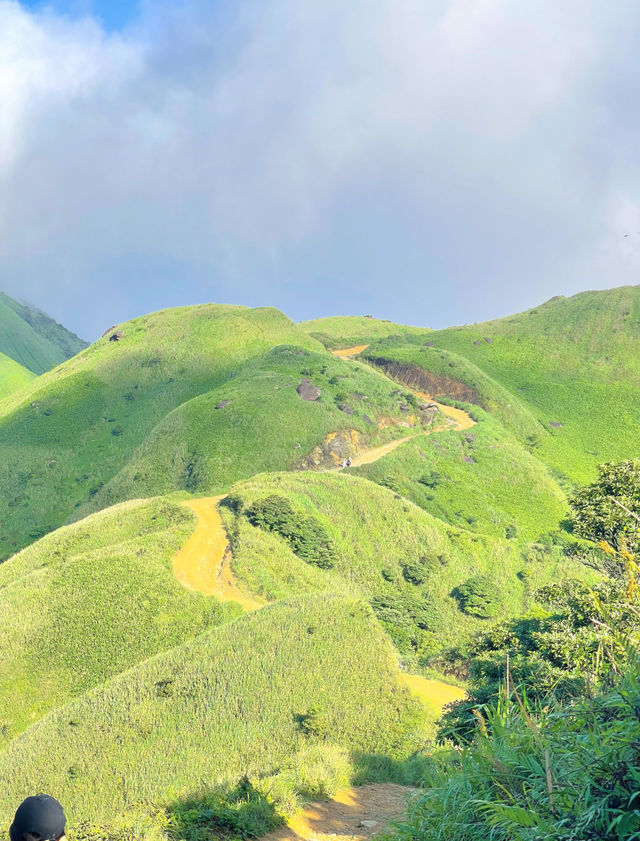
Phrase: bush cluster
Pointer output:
(305, 535)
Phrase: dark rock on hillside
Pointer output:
(344, 407)
(469, 460)
(115, 337)
(367, 419)
(307, 391)
(488, 340)
(222, 404)
(477, 342)
(555, 424)
(429, 344)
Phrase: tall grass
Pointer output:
(238, 701)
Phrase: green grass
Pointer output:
(32, 338)
(351, 330)
(482, 479)
(266, 426)
(13, 376)
(244, 698)
(572, 361)
(88, 602)
(75, 428)
(379, 541)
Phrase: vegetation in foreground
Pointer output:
(550, 747)
(205, 713)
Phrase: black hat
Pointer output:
(41, 815)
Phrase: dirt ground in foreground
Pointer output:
(340, 819)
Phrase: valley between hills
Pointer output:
(264, 577)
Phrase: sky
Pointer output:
(433, 162)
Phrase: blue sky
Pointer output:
(432, 163)
(113, 14)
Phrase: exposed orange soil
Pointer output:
(339, 819)
(204, 562)
(435, 692)
(369, 456)
(349, 352)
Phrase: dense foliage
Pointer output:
(565, 773)
(304, 534)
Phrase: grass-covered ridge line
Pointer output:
(482, 479)
(32, 338)
(207, 711)
(350, 330)
(404, 561)
(91, 600)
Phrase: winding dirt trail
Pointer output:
(204, 562)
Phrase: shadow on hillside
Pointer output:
(223, 811)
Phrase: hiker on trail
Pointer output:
(349, 462)
(343, 464)
(39, 818)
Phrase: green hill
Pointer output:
(105, 598)
(351, 330)
(188, 399)
(32, 338)
(284, 686)
(407, 563)
(13, 376)
(569, 369)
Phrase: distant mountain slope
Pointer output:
(349, 330)
(32, 338)
(564, 376)
(12, 376)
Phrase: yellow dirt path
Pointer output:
(349, 352)
(340, 818)
(435, 692)
(204, 562)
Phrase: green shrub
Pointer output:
(305, 535)
(477, 597)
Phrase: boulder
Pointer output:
(307, 391)
(115, 337)
(555, 424)
(344, 407)
(368, 420)
(222, 404)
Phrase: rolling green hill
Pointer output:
(189, 399)
(407, 563)
(567, 371)
(13, 376)
(208, 710)
(105, 598)
(32, 338)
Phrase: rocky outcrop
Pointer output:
(335, 448)
(419, 379)
(307, 391)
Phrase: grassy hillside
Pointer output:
(404, 561)
(243, 699)
(572, 365)
(89, 601)
(12, 376)
(76, 427)
(482, 479)
(265, 426)
(350, 330)
(32, 338)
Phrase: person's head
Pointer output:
(38, 818)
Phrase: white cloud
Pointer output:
(222, 141)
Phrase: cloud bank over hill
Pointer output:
(433, 163)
